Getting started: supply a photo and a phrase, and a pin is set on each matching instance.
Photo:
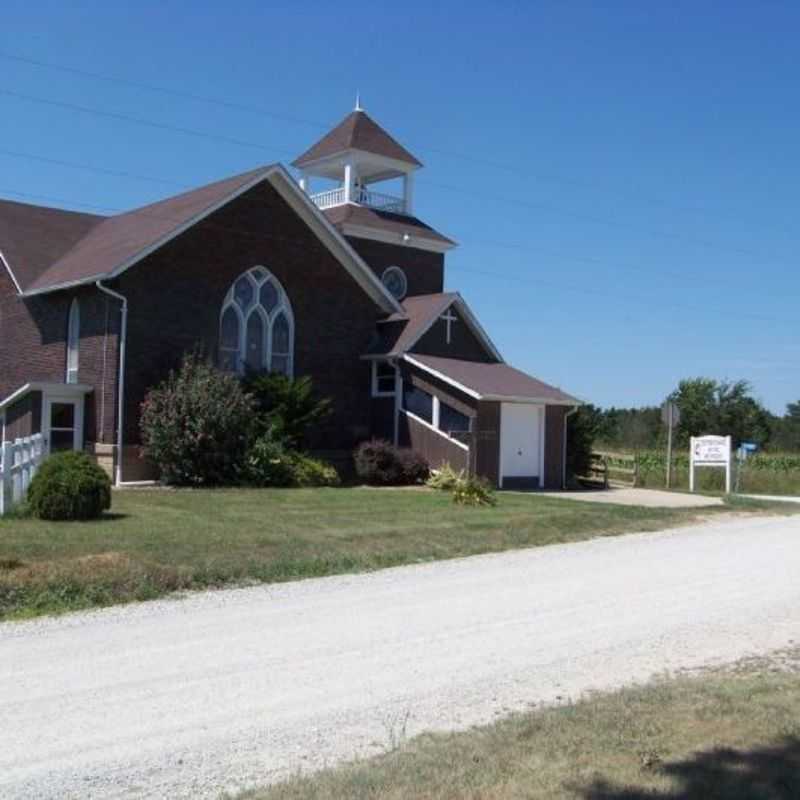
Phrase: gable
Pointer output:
(33, 237)
(118, 243)
(463, 344)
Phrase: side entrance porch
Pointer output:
(487, 418)
(57, 411)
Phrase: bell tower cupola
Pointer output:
(356, 155)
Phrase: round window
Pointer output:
(394, 279)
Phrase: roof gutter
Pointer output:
(123, 336)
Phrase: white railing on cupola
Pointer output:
(329, 199)
(19, 461)
(363, 197)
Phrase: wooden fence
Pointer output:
(613, 469)
(19, 461)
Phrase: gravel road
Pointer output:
(190, 697)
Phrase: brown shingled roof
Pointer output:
(351, 214)
(357, 131)
(33, 237)
(398, 332)
(111, 242)
(492, 381)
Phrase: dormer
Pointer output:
(357, 154)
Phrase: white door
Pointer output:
(62, 423)
(521, 442)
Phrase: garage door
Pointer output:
(521, 446)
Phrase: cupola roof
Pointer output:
(357, 131)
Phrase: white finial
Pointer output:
(358, 102)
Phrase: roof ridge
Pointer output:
(175, 222)
(54, 209)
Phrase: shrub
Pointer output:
(473, 491)
(309, 471)
(414, 467)
(69, 485)
(582, 428)
(270, 463)
(285, 408)
(380, 463)
(445, 478)
(196, 425)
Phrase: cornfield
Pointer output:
(765, 473)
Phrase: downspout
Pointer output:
(123, 335)
(564, 451)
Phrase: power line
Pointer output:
(527, 280)
(515, 168)
(141, 121)
(697, 242)
(91, 168)
(652, 302)
(245, 143)
(479, 243)
(151, 87)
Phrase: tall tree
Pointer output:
(720, 407)
(786, 429)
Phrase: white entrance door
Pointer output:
(521, 445)
(62, 423)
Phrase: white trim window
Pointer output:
(256, 325)
(435, 413)
(73, 341)
(384, 379)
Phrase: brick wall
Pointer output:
(554, 446)
(487, 441)
(424, 270)
(33, 347)
(175, 297)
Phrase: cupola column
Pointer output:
(349, 181)
(408, 192)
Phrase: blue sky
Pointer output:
(622, 177)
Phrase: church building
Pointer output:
(326, 273)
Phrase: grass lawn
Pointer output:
(158, 541)
(731, 735)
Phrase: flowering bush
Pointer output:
(196, 425)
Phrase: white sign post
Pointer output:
(710, 451)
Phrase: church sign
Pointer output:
(710, 451)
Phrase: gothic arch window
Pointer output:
(256, 325)
(73, 341)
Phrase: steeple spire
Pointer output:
(358, 101)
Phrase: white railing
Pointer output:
(383, 202)
(19, 461)
(333, 197)
(364, 197)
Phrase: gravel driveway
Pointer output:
(225, 689)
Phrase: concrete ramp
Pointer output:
(650, 498)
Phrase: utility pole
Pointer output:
(670, 406)
(670, 416)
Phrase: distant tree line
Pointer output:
(706, 406)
